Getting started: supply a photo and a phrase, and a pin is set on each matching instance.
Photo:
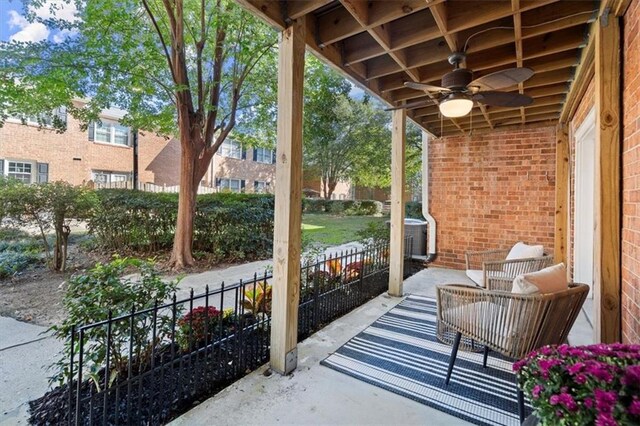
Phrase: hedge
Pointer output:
(348, 207)
(229, 226)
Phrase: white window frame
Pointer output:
(261, 183)
(31, 120)
(225, 183)
(264, 155)
(32, 165)
(109, 128)
(231, 149)
(120, 176)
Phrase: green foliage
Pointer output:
(348, 207)
(413, 209)
(94, 296)
(374, 234)
(47, 206)
(229, 226)
(18, 250)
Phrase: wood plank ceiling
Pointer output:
(384, 43)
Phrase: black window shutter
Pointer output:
(244, 153)
(1, 167)
(273, 156)
(43, 172)
(92, 131)
(255, 186)
(255, 154)
(242, 182)
(218, 182)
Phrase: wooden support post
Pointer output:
(288, 201)
(562, 194)
(396, 256)
(607, 277)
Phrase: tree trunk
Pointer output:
(181, 256)
(332, 186)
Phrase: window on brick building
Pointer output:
(105, 177)
(111, 132)
(232, 185)
(232, 149)
(19, 170)
(264, 155)
(260, 186)
(58, 116)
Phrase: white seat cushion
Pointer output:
(475, 275)
(547, 280)
(524, 251)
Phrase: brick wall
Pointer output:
(235, 168)
(631, 176)
(493, 189)
(72, 157)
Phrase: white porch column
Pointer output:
(288, 201)
(396, 255)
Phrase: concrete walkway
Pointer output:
(25, 354)
(317, 395)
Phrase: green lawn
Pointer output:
(334, 230)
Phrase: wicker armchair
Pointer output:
(491, 270)
(510, 324)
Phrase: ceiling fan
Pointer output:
(458, 91)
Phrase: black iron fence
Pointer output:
(145, 367)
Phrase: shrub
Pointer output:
(583, 385)
(18, 250)
(103, 292)
(374, 233)
(336, 206)
(195, 327)
(47, 206)
(413, 209)
(314, 205)
(228, 225)
(13, 262)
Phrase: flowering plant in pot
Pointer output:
(583, 385)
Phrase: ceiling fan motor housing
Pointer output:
(457, 79)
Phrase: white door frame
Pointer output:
(584, 204)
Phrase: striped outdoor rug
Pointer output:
(400, 353)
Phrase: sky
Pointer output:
(14, 26)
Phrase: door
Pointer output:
(584, 213)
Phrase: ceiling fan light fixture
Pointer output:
(456, 105)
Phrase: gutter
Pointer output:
(431, 245)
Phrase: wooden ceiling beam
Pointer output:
(339, 24)
(530, 111)
(299, 8)
(517, 29)
(358, 48)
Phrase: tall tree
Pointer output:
(178, 66)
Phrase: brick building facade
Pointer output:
(104, 153)
(490, 190)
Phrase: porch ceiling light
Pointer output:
(456, 105)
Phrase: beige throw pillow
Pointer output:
(547, 280)
(524, 251)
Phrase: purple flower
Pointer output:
(536, 391)
(606, 420)
(580, 379)
(605, 401)
(634, 408)
(554, 400)
(588, 402)
(631, 376)
(575, 368)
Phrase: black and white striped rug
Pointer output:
(400, 353)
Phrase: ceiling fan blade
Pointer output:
(502, 99)
(411, 105)
(425, 87)
(502, 79)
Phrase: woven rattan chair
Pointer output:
(508, 323)
(491, 270)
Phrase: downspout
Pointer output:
(431, 245)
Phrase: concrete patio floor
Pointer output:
(317, 395)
